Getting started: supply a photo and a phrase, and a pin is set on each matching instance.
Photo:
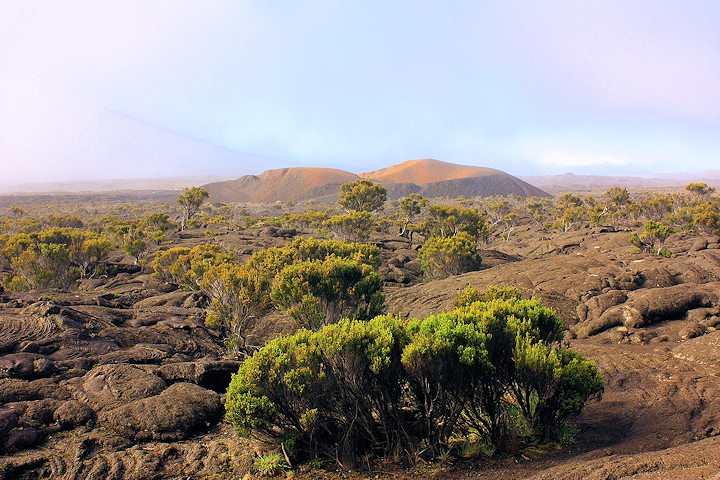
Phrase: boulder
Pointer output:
(140, 353)
(172, 415)
(172, 299)
(657, 278)
(704, 349)
(649, 305)
(8, 420)
(72, 414)
(692, 330)
(19, 439)
(597, 305)
(700, 243)
(109, 386)
(700, 314)
(26, 365)
(214, 375)
(16, 390)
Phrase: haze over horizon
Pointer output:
(108, 90)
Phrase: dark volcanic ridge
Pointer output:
(430, 178)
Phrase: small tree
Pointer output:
(93, 249)
(700, 190)
(186, 267)
(317, 293)
(191, 201)
(570, 218)
(156, 224)
(134, 243)
(442, 257)
(446, 221)
(652, 237)
(362, 196)
(354, 226)
(411, 206)
(707, 215)
(239, 297)
(17, 212)
(618, 196)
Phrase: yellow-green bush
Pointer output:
(444, 256)
(386, 385)
(186, 266)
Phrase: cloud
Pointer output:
(50, 135)
(367, 84)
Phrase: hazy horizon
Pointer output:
(154, 89)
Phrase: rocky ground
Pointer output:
(121, 379)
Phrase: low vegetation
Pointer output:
(492, 374)
(316, 282)
(492, 370)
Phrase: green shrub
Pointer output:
(271, 261)
(353, 226)
(447, 221)
(53, 258)
(186, 266)
(387, 386)
(652, 237)
(362, 196)
(444, 256)
(492, 292)
(317, 281)
(271, 464)
(316, 293)
(239, 297)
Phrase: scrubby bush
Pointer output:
(239, 297)
(441, 257)
(318, 282)
(53, 258)
(447, 221)
(652, 237)
(362, 196)
(353, 226)
(186, 266)
(492, 292)
(312, 218)
(490, 369)
(316, 293)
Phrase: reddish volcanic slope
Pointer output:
(427, 171)
(434, 178)
(430, 178)
(300, 183)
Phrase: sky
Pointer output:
(142, 89)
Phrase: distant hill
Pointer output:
(592, 183)
(298, 183)
(433, 178)
(427, 171)
(430, 178)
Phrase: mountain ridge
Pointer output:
(428, 177)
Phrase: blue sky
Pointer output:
(96, 89)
